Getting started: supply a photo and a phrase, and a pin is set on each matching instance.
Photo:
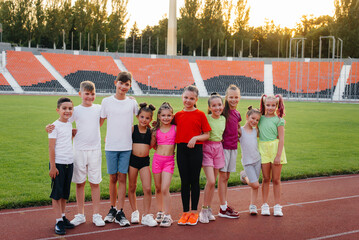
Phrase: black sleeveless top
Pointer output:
(138, 137)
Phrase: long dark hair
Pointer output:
(227, 109)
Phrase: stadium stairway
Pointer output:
(4, 84)
(56, 74)
(340, 89)
(11, 80)
(198, 79)
(268, 76)
(136, 89)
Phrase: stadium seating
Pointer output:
(30, 73)
(102, 70)
(303, 81)
(4, 85)
(352, 86)
(247, 75)
(160, 76)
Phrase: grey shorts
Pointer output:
(230, 160)
(253, 171)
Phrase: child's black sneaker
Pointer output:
(121, 219)
(60, 228)
(111, 215)
(67, 223)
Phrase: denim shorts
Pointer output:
(117, 161)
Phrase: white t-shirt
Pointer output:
(63, 147)
(88, 136)
(119, 114)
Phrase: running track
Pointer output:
(316, 208)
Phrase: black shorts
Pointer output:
(139, 162)
(62, 183)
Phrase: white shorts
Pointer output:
(230, 159)
(87, 162)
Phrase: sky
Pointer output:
(282, 12)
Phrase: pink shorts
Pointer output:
(213, 155)
(163, 163)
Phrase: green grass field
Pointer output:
(320, 139)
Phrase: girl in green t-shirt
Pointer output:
(271, 148)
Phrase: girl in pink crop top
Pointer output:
(163, 162)
(167, 138)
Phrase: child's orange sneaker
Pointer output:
(193, 219)
(183, 220)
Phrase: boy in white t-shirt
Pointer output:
(61, 163)
(119, 111)
(87, 153)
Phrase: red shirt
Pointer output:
(190, 124)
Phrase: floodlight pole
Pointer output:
(290, 55)
(333, 57)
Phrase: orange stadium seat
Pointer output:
(305, 77)
(163, 76)
(4, 85)
(30, 73)
(102, 70)
(247, 75)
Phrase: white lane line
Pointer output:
(335, 235)
(131, 227)
(94, 232)
(235, 188)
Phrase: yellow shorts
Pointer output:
(268, 151)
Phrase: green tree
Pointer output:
(188, 25)
(212, 27)
(118, 20)
(132, 42)
(346, 26)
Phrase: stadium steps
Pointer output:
(340, 89)
(217, 75)
(268, 76)
(102, 70)
(11, 80)
(136, 89)
(56, 74)
(160, 76)
(4, 84)
(308, 79)
(198, 79)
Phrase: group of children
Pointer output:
(203, 141)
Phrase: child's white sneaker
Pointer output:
(253, 209)
(278, 211)
(148, 220)
(79, 219)
(159, 217)
(265, 210)
(97, 220)
(210, 215)
(167, 221)
(203, 215)
(135, 217)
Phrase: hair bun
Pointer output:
(250, 108)
(152, 107)
(214, 94)
(143, 105)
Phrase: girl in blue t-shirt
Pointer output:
(271, 148)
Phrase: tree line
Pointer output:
(204, 28)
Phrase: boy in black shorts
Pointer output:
(61, 163)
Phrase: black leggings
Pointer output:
(189, 162)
